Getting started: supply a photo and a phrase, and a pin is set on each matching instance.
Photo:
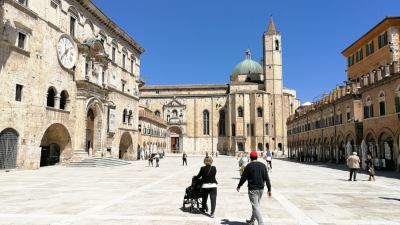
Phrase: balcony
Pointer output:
(176, 121)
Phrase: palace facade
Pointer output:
(69, 84)
(363, 114)
(249, 113)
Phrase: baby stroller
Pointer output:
(192, 197)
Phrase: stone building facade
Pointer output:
(69, 85)
(247, 114)
(153, 134)
(362, 115)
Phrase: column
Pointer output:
(57, 101)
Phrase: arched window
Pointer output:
(124, 116)
(51, 94)
(63, 99)
(174, 113)
(382, 103)
(397, 99)
(157, 113)
(368, 108)
(240, 111)
(260, 112)
(277, 45)
(206, 122)
(130, 116)
(233, 130)
(221, 123)
(266, 129)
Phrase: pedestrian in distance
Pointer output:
(157, 158)
(256, 176)
(268, 158)
(209, 183)
(353, 162)
(370, 167)
(243, 161)
(184, 159)
(151, 160)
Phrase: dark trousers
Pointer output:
(184, 162)
(353, 173)
(270, 164)
(213, 197)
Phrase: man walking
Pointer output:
(184, 159)
(353, 162)
(256, 175)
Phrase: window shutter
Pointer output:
(397, 103)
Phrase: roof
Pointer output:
(385, 20)
(247, 66)
(271, 26)
(185, 86)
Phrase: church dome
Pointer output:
(247, 66)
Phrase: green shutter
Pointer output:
(397, 103)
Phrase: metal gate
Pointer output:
(8, 149)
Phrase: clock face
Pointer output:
(67, 52)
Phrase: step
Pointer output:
(99, 162)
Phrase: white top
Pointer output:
(209, 185)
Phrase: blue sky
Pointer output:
(201, 41)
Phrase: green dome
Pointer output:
(247, 66)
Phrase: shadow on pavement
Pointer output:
(343, 167)
(228, 222)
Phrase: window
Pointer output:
(23, 2)
(130, 117)
(221, 123)
(157, 113)
(174, 113)
(252, 129)
(206, 122)
(63, 99)
(18, 92)
(359, 55)
(350, 60)
(382, 104)
(397, 100)
(233, 130)
(123, 60)
(113, 52)
(260, 112)
(276, 45)
(53, 11)
(125, 115)
(348, 114)
(240, 147)
(21, 40)
(123, 86)
(72, 25)
(132, 65)
(248, 129)
(86, 68)
(51, 94)
(240, 111)
(369, 48)
(383, 40)
(368, 109)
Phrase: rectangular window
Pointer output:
(123, 86)
(252, 130)
(397, 103)
(113, 54)
(248, 129)
(383, 40)
(382, 108)
(348, 117)
(72, 25)
(123, 60)
(369, 48)
(132, 65)
(359, 55)
(21, 40)
(266, 129)
(18, 92)
(233, 130)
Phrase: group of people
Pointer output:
(353, 162)
(243, 160)
(256, 175)
(156, 157)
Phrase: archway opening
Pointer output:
(8, 148)
(176, 139)
(55, 146)
(125, 146)
(385, 152)
(93, 130)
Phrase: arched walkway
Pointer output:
(8, 148)
(125, 146)
(55, 145)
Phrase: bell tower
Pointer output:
(272, 59)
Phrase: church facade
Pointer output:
(249, 113)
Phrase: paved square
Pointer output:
(138, 194)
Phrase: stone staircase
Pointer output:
(98, 162)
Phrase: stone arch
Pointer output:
(386, 153)
(8, 148)
(88, 30)
(94, 123)
(176, 136)
(56, 145)
(125, 147)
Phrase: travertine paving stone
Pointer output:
(138, 194)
